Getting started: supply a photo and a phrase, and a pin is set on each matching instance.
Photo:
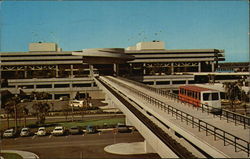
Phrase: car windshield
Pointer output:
(41, 130)
(74, 128)
(57, 129)
(25, 130)
(8, 131)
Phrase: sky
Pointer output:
(77, 25)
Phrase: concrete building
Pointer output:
(45, 67)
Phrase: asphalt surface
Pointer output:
(74, 146)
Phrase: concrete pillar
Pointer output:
(57, 70)
(171, 82)
(91, 70)
(148, 148)
(71, 71)
(199, 67)
(186, 81)
(172, 68)
(53, 96)
(116, 69)
(25, 72)
(212, 66)
(127, 122)
(130, 68)
(144, 68)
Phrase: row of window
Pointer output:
(189, 93)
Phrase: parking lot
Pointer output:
(74, 146)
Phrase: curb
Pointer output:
(23, 154)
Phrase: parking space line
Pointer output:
(33, 136)
(50, 136)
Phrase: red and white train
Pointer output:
(199, 95)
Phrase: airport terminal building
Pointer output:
(46, 68)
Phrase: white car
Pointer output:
(41, 131)
(25, 132)
(59, 130)
(9, 133)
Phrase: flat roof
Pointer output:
(195, 88)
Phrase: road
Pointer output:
(74, 146)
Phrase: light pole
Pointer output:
(15, 111)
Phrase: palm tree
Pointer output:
(42, 107)
(41, 110)
(233, 92)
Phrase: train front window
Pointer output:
(215, 96)
(206, 96)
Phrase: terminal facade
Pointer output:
(46, 68)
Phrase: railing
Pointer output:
(229, 138)
(228, 115)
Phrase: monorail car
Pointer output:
(198, 95)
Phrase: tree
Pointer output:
(42, 107)
(41, 110)
(11, 108)
(233, 92)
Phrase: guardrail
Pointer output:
(229, 138)
(228, 115)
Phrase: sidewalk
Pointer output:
(23, 154)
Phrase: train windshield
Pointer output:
(210, 96)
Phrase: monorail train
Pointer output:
(198, 95)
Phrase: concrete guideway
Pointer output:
(178, 126)
(237, 130)
(156, 140)
(23, 154)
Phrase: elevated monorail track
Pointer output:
(177, 148)
(228, 138)
(226, 114)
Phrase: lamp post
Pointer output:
(15, 111)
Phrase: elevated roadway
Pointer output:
(212, 135)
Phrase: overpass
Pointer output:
(168, 124)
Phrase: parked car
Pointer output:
(63, 98)
(25, 132)
(121, 128)
(75, 130)
(41, 131)
(9, 133)
(91, 129)
(59, 130)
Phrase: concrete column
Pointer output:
(144, 68)
(57, 70)
(148, 148)
(172, 68)
(71, 71)
(212, 66)
(53, 96)
(171, 82)
(199, 67)
(91, 70)
(186, 81)
(127, 122)
(116, 69)
(25, 72)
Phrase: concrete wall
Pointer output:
(43, 47)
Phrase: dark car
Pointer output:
(75, 130)
(91, 129)
(121, 128)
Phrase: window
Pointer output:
(206, 96)
(215, 96)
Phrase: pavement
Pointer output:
(23, 154)
(126, 148)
